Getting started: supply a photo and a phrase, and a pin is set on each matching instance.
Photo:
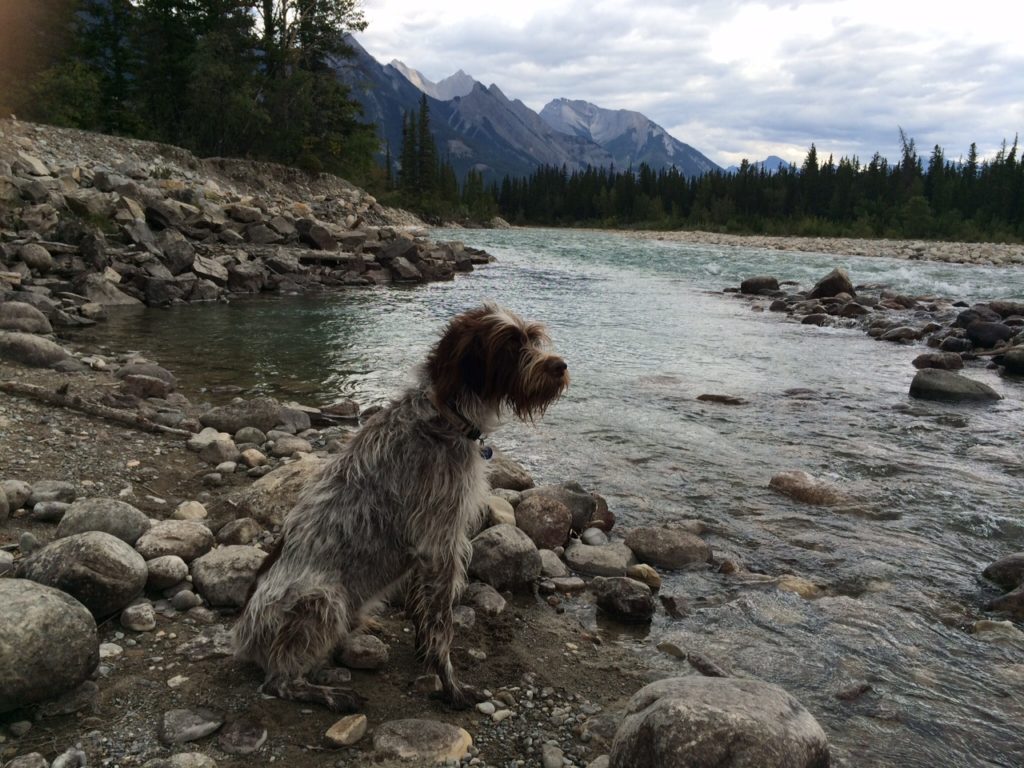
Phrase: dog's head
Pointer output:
(495, 358)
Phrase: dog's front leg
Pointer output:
(430, 604)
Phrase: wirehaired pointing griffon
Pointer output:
(395, 504)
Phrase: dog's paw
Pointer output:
(461, 696)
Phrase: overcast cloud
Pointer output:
(739, 79)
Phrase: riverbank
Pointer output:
(998, 254)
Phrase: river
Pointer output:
(645, 328)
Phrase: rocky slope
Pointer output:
(89, 221)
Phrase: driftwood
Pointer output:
(62, 399)
(994, 352)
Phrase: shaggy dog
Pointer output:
(395, 504)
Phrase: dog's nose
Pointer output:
(557, 366)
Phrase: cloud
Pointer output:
(738, 79)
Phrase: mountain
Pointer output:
(629, 137)
(480, 128)
(458, 84)
(771, 164)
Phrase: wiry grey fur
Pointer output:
(396, 503)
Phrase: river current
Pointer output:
(938, 489)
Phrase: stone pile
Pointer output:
(129, 223)
(992, 331)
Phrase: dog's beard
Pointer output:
(537, 386)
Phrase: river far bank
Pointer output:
(998, 254)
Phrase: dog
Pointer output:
(393, 508)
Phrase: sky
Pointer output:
(740, 79)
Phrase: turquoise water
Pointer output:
(936, 489)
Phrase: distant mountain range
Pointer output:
(771, 164)
(479, 127)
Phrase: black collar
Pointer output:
(464, 426)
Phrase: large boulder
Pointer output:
(23, 318)
(185, 538)
(715, 722)
(31, 350)
(270, 498)
(97, 569)
(946, 361)
(48, 643)
(264, 413)
(224, 576)
(935, 384)
(987, 335)
(111, 516)
(668, 547)
(835, 282)
(1007, 572)
(606, 560)
(545, 520)
(99, 290)
(36, 257)
(1013, 360)
(505, 558)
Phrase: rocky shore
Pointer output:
(1000, 254)
(90, 221)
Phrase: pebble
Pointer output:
(72, 758)
(501, 714)
(110, 650)
(486, 708)
(551, 756)
(28, 543)
(186, 599)
(190, 510)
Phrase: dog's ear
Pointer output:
(459, 359)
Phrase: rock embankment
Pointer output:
(90, 221)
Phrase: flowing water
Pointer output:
(938, 489)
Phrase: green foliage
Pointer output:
(973, 200)
(222, 77)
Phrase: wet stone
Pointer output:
(183, 725)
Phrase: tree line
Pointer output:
(968, 199)
(245, 78)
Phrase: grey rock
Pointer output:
(286, 446)
(267, 499)
(49, 511)
(31, 760)
(293, 420)
(183, 725)
(484, 598)
(503, 472)
(264, 413)
(165, 571)
(623, 598)
(31, 350)
(714, 722)
(145, 386)
(242, 737)
(241, 531)
(364, 652)
(835, 282)
(182, 760)
(139, 618)
(1007, 572)
(425, 741)
(609, 560)
(947, 361)
(1013, 360)
(667, 547)
(934, 384)
(222, 448)
(759, 283)
(185, 600)
(987, 335)
(551, 565)
(224, 576)
(98, 290)
(23, 318)
(545, 520)
(505, 558)
(17, 492)
(111, 516)
(551, 756)
(185, 538)
(48, 643)
(582, 504)
(6, 562)
(70, 758)
(250, 435)
(36, 257)
(594, 537)
(28, 543)
(97, 569)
